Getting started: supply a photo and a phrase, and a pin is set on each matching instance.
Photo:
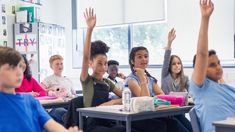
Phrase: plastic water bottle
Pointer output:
(126, 98)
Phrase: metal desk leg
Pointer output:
(128, 125)
(80, 121)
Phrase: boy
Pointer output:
(213, 101)
(20, 112)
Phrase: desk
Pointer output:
(225, 125)
(113, 112)
(56, 105)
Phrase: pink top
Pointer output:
(29, 86)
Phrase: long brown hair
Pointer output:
(180, 75)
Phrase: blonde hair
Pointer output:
(55, 57)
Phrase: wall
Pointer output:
(176, 17)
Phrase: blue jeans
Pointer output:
(57, 114)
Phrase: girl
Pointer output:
(141, 83)
(173, 78)
(29, 84)
(96, 88)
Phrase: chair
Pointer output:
(194, 120)
(71, 117)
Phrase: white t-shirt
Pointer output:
(53, 80)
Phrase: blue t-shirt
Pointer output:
(136, 78)
(21, 113)
(213, 102)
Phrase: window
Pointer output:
(117, 39)
(152, 36)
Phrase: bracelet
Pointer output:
(143, 83)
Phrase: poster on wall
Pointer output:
(26, 38)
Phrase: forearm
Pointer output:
(166, 63)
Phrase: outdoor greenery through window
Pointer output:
(122, 38)
(117, 39)
(153, 36)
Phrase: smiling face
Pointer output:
(214, 69)
(175, 65)
(57, 66)
(99, 65)
(141, 59)
(113, 71)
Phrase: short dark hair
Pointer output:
(98, 47)
(210, 53)
(9, 56)
(113, 62)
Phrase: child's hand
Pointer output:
(141, 74)
(34, 94)
(121, 75)
(171, 37)
(74, 129)
(90, 18)
(207, 8)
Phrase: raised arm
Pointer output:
(166, 62)
(199, 72)
(90, 21)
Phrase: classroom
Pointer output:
(78, 35)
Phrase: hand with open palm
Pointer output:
(90, 18)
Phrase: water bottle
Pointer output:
(126, 98)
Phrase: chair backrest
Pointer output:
(194, 120)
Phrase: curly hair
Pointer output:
(98, 47)
(113, 62)
(27, 72)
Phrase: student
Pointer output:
(173, 78)
(20, 112)
(96, 88)
(57, 82)
(213, 101)
(58, 85)
(29, 84)
(113, 72)
(141, 83)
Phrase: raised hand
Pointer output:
(171, 37)
(90, 18)
(206, 7)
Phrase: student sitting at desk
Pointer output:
(29, 84)
(96, 88)
(20, 112)
(58, 85)
(213, 101)
(173, 78)
(114, 76)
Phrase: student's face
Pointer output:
(214, 69)
(113, 71)
(57, 66)
(176, 66)
(99, 65)
(141, 59)
(10, 76)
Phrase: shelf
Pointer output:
(39, 4)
